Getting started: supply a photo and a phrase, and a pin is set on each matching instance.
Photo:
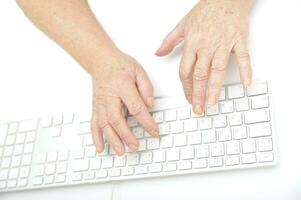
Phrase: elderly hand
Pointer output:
(210, 31)
(118, 81)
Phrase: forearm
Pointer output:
(73, 26)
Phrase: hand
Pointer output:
(210, 31)
(118, 81)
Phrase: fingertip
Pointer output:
(150, 101)
(247, 82)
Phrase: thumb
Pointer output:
(175, 37)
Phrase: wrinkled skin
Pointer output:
(210, 32)
(119, 81)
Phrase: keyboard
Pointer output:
(58, 150)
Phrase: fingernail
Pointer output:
(150, 101)
(198, 109)
(155, 133)
(119, 149)
(247, 82)
(211, 100)
(133, 147)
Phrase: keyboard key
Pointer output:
(95, 163)
(183, 113)
(114, 172)
(39, 170)
(261, 101)
(60, 178)
(248, 146)
(153, 143)
(146, 157)
(3, 174)
(166, 141)
(61, 167)
(260, 130)
(257, 88)
(227, 107)
(41, 158)
(89, 175)
(2, 184)
(255, 116)
(176, 127)
(12, 183)
(158, 117)
(248, 159)
(220, 121)
(3, 133)
(101, 174)
(8, 151)
(26, 160)
(209, 136)
(242, 104)
(266, 157)
(216, 162)
(50, 168)
(20, 138)
(180, 140)
(52, 156)
(235, 119)
(107, 162)
(232, 161)
(169, 167)
(212, 109)
(120, 161)
(38, 181)
(29, 125)
(170, 115)
(173, 154)
(164, 128)
(48, 179)
(31, 136)
(199, 164)
(236, 91)
(22, 183)
(159, 156)
(239, 132)
(155, 168)
(77, 176)
(10, 139)
(138, 132)
(194, 137)
(217, 149)
(68, 118)
(46, 122)
(128, 171)
(233, 148)
(80, 165)
(132, 122)
(201, 151)
(224, 134)
(55, 131)
(24, 172)
(16, 161)
(57, 119)
(222, 95)
(187, 152)
(143, 169)
(133, 159)
(5, 162)
(13, 173)
(13, 128)
(184, 165)
(205, 123)
(265, 144)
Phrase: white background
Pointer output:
(37, 77)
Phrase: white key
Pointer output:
(176, 127)
(46, 121)
(31, 136)
(20, 138)
(10, 139)
(48, 179)
(12, 183)
(101, 174)
(84, 117)
(78, 154)
(222, 95)
(41, 158)
(173, 154)
(257, 88)
(236, 91)
(133, 159)
(261, 101)
(232, 161)
(159, 156)
(235, 119)
(248, 146)
(169, 167)
(239, 132)
(61, 167)
(191, 124)
(216, 162)
(265, 144)
(2, 184)
(266, 157)
(24, 172)
(57, 119)
(22, 182)
(89, 175)
(155, 168)
(55, 131)
(199, 164)
(107, 162)
(248, 159)
(212, 109)
(217, 149)
(255, 116)
(132, 122)
(153, 143)
(146, 157)
(209, 136)
(170, 115)
(141, 169)
(90, 152)
(76, 176)
(260, 130)
(226, 107)
(184, 113)
(180, 140)
(128, 171)
(142, 145)
(8, 151)
(3, 133)
(233, 148)
(164, 128)
(201, 151)
(194, 137)
(95, 163)
(119, 161)
(158, 117)
(220, 121)
(88, 140)
(13, 173)
(242, 104)
(184, 165)
(60, 178)
(80, 165)
(50, 168)
(26, 160)
(16, 161)
(63, 155)
(5, 162)
(224, 134)
(39, 170)
(68, 118)
(187, 152)
(28, 125)
(114, 172)
(13, 127)
(138, 132)
(18, 149)
(3, 174)
(166, 141)
(205, 123)
(52, 156)
(38, 181)
(83, 128)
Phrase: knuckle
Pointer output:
(135, 108)
(114, 120)
(200, 74)
(218, 66)
(243, 55)
(184, 74)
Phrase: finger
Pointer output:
(243, 59)
(175, 37)
(118, 122)
(96, 133)
(200, 79)
(137, 108)
(186, 72)
(217, 73)
(145, 87)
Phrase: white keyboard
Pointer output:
(58, 150)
